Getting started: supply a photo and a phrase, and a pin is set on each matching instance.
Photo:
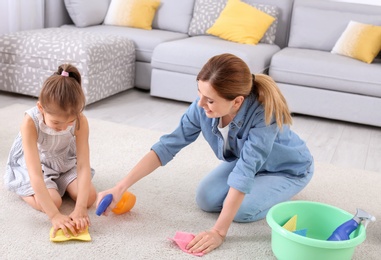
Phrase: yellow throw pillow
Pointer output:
(132, 13)
(359, 41)
(241, 22)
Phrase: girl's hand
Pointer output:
(205, 242)
(80, 219)
(60, 221)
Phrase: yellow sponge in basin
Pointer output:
(290, 225)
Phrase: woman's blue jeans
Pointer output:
(268, 190)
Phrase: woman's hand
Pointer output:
(205, 242)
(209, 240)
(60, 221)
(145, 166)
(116, 196)
(80, 218)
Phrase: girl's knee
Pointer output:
(73, 193)
(55, 197)
(31, 200)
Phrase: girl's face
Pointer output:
(57, 122)
(214, 105)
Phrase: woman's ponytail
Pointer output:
(273, 101)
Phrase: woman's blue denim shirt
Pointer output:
(257, 147)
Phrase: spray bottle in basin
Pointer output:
(344, 230)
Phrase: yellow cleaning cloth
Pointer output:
(291, 224)
(60, 237)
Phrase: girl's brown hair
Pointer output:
(231, 77)
(63, 91)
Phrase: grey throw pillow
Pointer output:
(87, 12)
(173, 15)
(206, 12)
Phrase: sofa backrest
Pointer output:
(284, 18)
(56, 13)
(173, 15)
(318, 24)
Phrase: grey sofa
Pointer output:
(168, 57)
(314, 81)
(319, 83)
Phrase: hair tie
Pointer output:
(65, 73)
(253, 77)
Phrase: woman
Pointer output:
(245, 120)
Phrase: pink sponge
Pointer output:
(182, 239)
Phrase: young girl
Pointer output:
(245, 119)
(50, 155)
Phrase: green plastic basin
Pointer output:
(320, 220)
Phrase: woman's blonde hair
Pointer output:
(231, 77)
(63, 90)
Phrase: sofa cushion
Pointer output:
(318, 24)
(324, 70)
(359, 41)
(132, 13)
(144, 40)
(87, 12)
(241, 22)
(206, 13)
(190, 54)
(174, 15)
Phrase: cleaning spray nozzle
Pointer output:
(364, 216)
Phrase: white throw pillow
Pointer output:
(87, 12)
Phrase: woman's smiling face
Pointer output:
(214, 105)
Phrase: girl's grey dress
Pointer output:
(57, 152)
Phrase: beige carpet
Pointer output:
(165, 203)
